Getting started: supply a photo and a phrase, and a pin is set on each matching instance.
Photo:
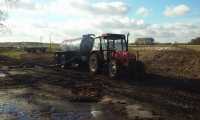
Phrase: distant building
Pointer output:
(144, 41)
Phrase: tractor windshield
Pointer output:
(110, 42)
(116, 45)
(119, 45)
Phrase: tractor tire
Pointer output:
(141, 70)
(132, 68)
(93, 64)
(136, 70)
(62, 62)
(113, 69)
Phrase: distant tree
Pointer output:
(195, 41)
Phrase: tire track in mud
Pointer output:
(170, 95)
(184, 104)
(165, 100)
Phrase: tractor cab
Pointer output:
(114, 42)
(111, 52)
(115, 46)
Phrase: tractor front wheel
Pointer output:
(62, 61)
(113, 68)
(93, 63)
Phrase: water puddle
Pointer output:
(10, 110)
(2, 75)
(138, 112)
(25, 104)
(34, 108)
(16, 72)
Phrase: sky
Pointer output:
(58, 20)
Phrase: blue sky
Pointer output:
(158, 6)
(39, 20)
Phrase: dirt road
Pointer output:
(49, 93)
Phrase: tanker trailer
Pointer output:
(74, 51)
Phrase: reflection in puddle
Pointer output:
(14, 110)
(2, 75)
(16, 72)
(28, 104)
(137, 111)
(71, 116)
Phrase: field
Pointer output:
(165, 47)
(175, 61)
(193, 47)
(33, 88)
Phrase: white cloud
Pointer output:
(142, 11)
(78, 17)
(170, 32)
(63, 19)
(179, 10)
(110, 8)
(86, 8)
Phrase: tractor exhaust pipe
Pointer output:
(127, 41)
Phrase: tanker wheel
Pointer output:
(93, 63)
(112, 68)
(62, 61)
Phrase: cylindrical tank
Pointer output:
(83, 45)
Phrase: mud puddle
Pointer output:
(2, 74)
(21, 104)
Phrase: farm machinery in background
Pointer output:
(107, 53)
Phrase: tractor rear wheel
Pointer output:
(136, 70)
(93, 63)
(141, 70)
(132, 68)
(112, 68)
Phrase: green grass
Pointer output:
(15, 54)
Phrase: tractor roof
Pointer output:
(113, 36)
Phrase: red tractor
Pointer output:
(105, 53)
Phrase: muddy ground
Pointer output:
(180, 63)
(32, 90)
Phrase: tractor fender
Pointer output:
(132, 57)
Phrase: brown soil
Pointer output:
(46, 92)
(179, 64)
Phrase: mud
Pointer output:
(2, 75)
(180, 63)
(45, 92)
